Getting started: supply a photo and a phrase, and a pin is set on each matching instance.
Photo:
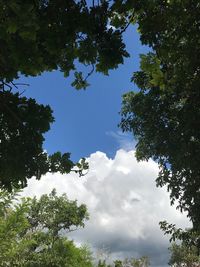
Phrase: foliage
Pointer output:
(31, 232)
(190, 238)
(38, 36)
(23, 125)
(140, 262)
(182, 255)
(56, 213)
(164, 113)
(132, 262)
(102, 263)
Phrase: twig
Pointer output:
(90, 73)
(22, 92)
(80, 172)
(14, 85)
(25, 84)
(128, 24)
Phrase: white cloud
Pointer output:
(124, 205)
(124, 140)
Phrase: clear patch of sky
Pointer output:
(83, 118)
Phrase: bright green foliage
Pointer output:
(164, 114)
(140, 262)
(13, 223)
(31, 232)
(182, 255)
(56, 213)
(132, 262)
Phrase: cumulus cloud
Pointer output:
(124, 204)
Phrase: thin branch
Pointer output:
(26, 84)
(128, 24)
(22, 92)
(84, 2)
(15, 84)
(72, 230)
(86, 64)
(80, 172)
(4, 84)
(81, 37)
(8, 85)
(90, 73)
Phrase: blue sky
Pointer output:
(86, 121)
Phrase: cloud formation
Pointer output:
(124, 140)
(124, 204)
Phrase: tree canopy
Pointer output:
(31, 231)
(182, 255)
(164, 113)
(38, 36)
(129, 262)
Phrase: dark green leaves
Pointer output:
(40, 36)
(79, 82)
(164, 114)
(23, 124)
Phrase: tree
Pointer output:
(32, 231)
(56, 213)
(188, 240)
(38, 36)
(132, 262)
(164, 113)
(12, 224)
(102, 263)
(183, 256)
(23, 125)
